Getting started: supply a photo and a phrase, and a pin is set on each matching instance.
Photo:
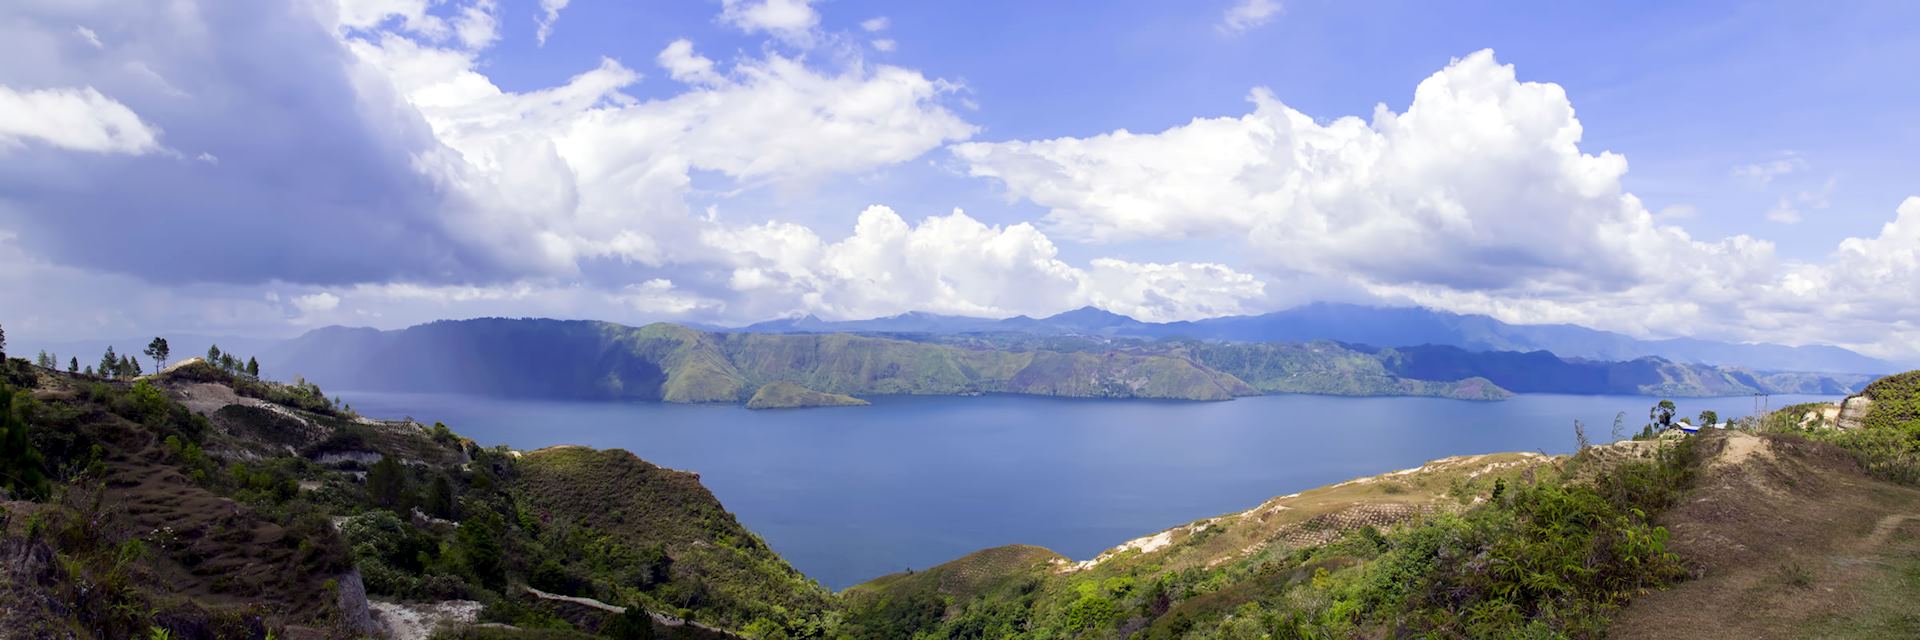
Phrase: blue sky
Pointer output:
(1662, 169)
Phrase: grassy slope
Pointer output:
(787, 395)
(133, 539)
(644, 505)
(1203, 570)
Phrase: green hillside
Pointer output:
(787, 395)
(672, 363)
(191, 504)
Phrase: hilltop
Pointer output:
(212, 504)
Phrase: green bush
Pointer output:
(1896, 402)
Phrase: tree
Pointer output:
(439, 502)
(478, 546)
(158, 350)
(20, 471)
(213, 355)
(633, 624)
(1661, 415)
(129, 367)
(253, 368)
(3, 344)
(1709, 418)
(73, 366)
(387, 483)
(46, 360)
(109, 363)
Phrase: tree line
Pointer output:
(122, 366)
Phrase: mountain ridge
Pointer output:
(583, 360)
(1377, 326)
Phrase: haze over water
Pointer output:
(850, 494)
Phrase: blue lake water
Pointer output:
(848, 494)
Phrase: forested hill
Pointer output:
(1380, 326)
(672, 363)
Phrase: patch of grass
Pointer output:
(1888, 613)
(1794, 575)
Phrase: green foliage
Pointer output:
(1896, 402)
(477, 546)
(387, 483)
(1545, 557)
(1661, 415)
(21, 471)
(632, 624)
(1887, 445)
(158, 350)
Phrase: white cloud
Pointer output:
(1427, 195)
(552, 178)
(883, 44)
(1476, 199)
(81, 119)
(1247, 14)
(549, 12)
(313, 303)
(789, 20)
(684, 65)
(88, 36)
(875, 24)
(958, 265)
(1761, 174)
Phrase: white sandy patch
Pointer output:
(417, 621)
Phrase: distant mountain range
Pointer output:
(1377, 326)
(675, 363)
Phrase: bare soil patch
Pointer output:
(1790, 540)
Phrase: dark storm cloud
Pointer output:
(302, 180)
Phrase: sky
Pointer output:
(1741, 173)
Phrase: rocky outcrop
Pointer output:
(1853, 412)
(355, 615)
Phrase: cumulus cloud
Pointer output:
(1449, 192)
(80, 119)
(1477, 198)
(875, 24)
(1247, 14)
(958, 265)
(789, 20)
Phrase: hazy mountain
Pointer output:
(674, 363)
(1380, 326)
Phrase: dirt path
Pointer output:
(1886, 528)
(1790, 540)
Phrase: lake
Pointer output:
(849, 494)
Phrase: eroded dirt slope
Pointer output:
(1790, 540)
